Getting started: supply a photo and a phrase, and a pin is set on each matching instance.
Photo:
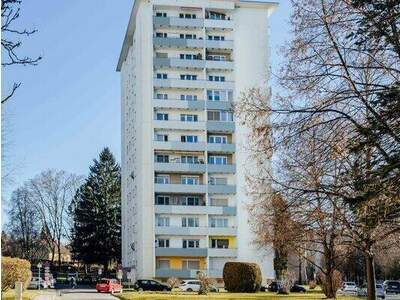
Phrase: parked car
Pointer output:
(380, 291)
(391, 286)
(108, 285)
(349, 287)
(274, 286)
(193, 286)
(36, 282)
(297, 289)
(150, 285)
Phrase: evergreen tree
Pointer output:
(96, 213)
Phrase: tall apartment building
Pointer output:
(183, 63)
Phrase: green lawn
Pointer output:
(28, 295)
(224, 296)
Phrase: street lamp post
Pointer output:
(39, 265)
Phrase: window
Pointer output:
(162, 76)
(216, 16)
(162, 200)
(188, 36)
(162, 179)
(190, 243)
(162, 221)
(190, 56)
(189, 118)
(218, 202)
(190, 201)
(215, 115)
(217, 95)
(161, 158)
(216, 78)
(161, 137)
(220, 243)
(216, 57)
(217, 160)
(189, 97)
(161, 14)
(163, 243)
(161, 117)
(217, 139)
(190, 222)
(216, 37)
(162, 264)
(218, 181)
(190, 264)
(161, 34)
(161, 54)
(162, 96)
(189, 138)
(188, 77)
(189, 159)
(187, 16)
(219, 222)
(192, 180)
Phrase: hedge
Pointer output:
(242, 277)
(14, 270)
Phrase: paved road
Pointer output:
(77, 294)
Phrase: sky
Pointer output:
(68, 106)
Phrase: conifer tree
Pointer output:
(96, 213)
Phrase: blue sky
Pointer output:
(68, 107)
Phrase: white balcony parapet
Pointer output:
(220, 252)
(182, 125)
(174, 145)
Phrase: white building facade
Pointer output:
(183, 63)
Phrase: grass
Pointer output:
(224, 296)
(27, 295)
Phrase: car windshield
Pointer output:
(104, 281)
(378, 286)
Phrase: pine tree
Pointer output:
(96, 212)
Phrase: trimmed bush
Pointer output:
(14, 270)
(242, 277)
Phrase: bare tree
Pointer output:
(51, 193)
(10, 43)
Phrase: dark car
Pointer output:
(150, 285)
(392, 286)
(297, 289)
(274, 286)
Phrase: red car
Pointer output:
(108, 286)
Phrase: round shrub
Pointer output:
(14, 270)
(242, 277)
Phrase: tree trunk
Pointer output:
(370, 270)
(329, 293)
(300, 279)
(59, 254)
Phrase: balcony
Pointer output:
(169, 42)
(221, 168)
(182, 125)
(178, 167)
(178, 273)
(226, 44)
(223, 231)
(221, 189)
(175, 230)
(195, 210)
(220, 252)
(177, 22)
(180, 188)
(161, 62)
(179, 146)
(218, 24)
(192, 84)
(183, 252)
(221, 126)
(220, 105)
(223, 148)
(179, 104)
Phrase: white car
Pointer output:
(349, 287)
(34, 284)
(189, 285)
